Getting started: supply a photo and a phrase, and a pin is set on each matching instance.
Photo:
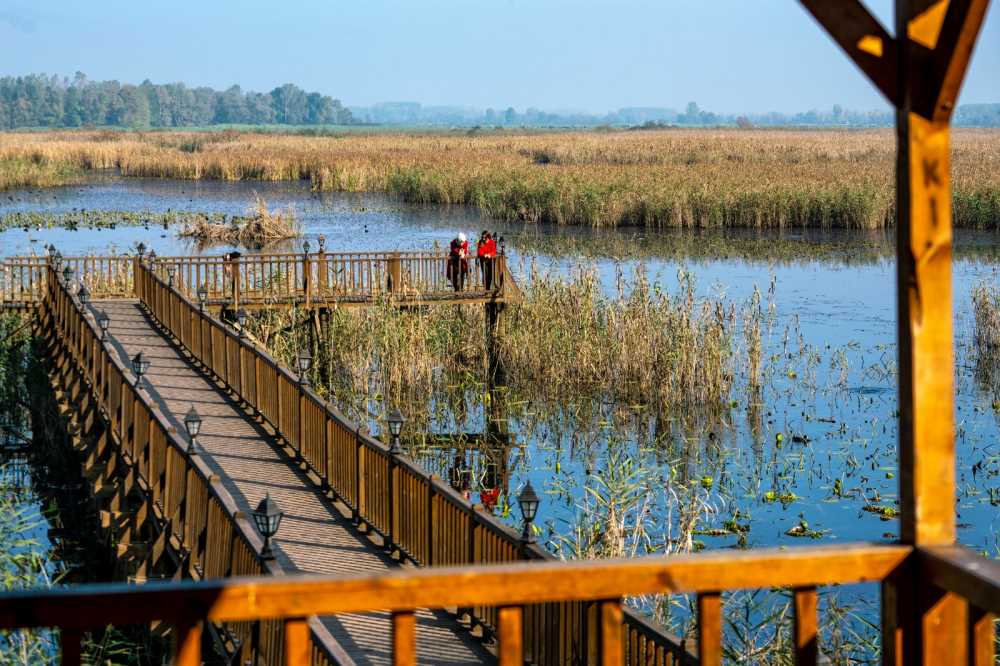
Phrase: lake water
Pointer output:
(829, 356)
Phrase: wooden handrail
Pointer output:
(189, 504)
(963, 572)
(415, 512)
(232, 600)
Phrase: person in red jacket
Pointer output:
(487, 259)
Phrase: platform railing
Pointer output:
(193, 512)
(512, 588)
(324, 277)
(418, 514)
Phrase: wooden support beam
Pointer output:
(862, 37)
(949, 30)
(806, 647)
(612, 650)
(510, 636)
(710, 629)
(404, 638)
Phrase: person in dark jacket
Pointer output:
(458, 262)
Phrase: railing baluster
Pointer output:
(71, 646)
(611, 632)
(510, 634)
(404, 638)
(296, 641)
(187, 645)
(806, 649)
(981, 638)
(710, 629)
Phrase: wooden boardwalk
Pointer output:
(315, 537)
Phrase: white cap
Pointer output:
(461, 237)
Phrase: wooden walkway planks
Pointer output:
(314, 536)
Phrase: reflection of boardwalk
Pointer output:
(314, 536)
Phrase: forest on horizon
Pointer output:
(43, 101)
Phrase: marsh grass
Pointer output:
(644, 345)
(258, 228)
(682, 178)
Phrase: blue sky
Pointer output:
(595, 55)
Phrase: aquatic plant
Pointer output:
(681, 178)
(257, 229)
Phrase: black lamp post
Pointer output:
(67, 275)
(528, 500)
(57, 259)
(395, 419)
(192, 423)
(305, 247)
(140, 249)
(322, 243)
(140, 366)
(103, 321)
(202, 296)
(267, 516)
(171, 272)
(241, 319)
(84, 295)
(304, 362)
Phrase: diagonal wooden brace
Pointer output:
(862, 37)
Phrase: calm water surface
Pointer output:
(829, 355)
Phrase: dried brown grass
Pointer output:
(677, 178)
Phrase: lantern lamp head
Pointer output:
(140, 366)
(528, 501)
(67, 275)
(395, 419)
(202, 295)
(304, 362)
(84, 295)
(241, 319)
(267, 517)
(192, 423)
(305, 246)
(103, 321)
(322, 243)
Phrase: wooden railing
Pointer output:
(194, 513)
(513, 588)
(22, 279)
(422, 517)
(323, 277)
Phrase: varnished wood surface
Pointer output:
(314, 537)
(498, 585)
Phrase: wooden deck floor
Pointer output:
(314, 536)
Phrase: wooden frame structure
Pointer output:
(938, 600)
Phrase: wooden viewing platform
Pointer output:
(185, 511)
(310, 280)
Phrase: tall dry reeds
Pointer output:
(679, 178)
(643, 346)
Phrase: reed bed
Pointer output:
(676, 178)
(642, 346)
(259, 228)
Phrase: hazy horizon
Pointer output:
(590, 56)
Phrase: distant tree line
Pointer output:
(38, 100)
(415, 115)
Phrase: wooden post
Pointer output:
(920, 71)
(233, 265)
(393, 483)
(307, 278)
(395, 273)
